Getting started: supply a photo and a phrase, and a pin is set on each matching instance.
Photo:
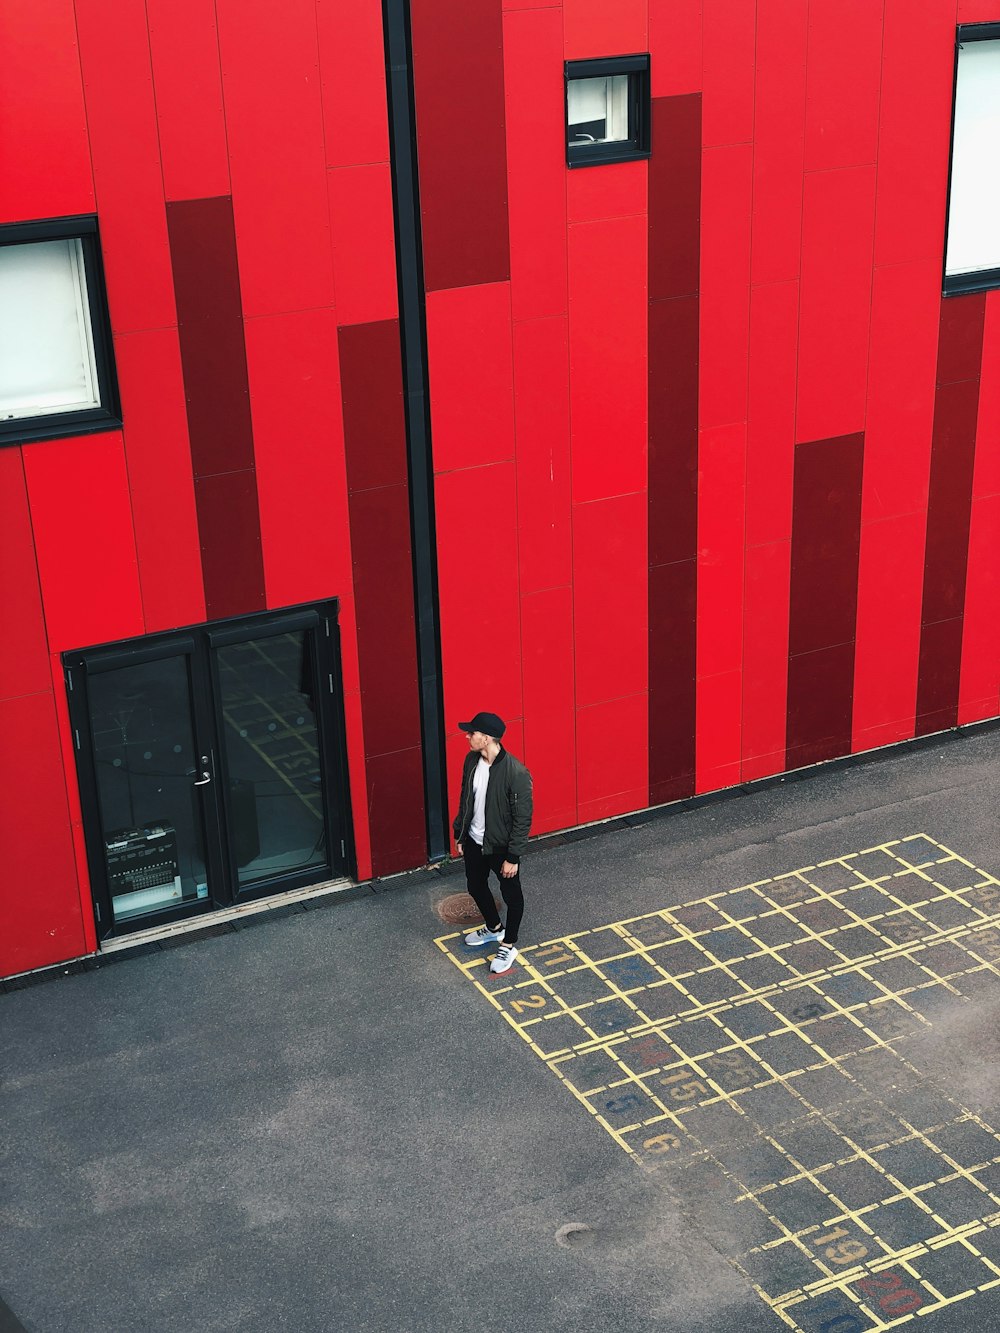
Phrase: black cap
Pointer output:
(488, 723)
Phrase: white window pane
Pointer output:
(974, 210)
(598, 109)
(46, 346)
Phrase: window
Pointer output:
(972, 252)
(56, 369)
(607, 110)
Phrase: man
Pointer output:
(491, 830)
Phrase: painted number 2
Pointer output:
(893, 1296)
(530, 1002)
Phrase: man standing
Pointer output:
(491, 830)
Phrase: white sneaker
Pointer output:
(483, 936)
(504, 960)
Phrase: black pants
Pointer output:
(477, 877)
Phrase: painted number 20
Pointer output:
(893, 1297)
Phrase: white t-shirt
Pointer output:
(480, 781)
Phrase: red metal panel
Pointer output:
(940, 672)
(387, 644)
(536, 162)
(357, 778)
(672, 649)
(608, 314)
(184, 45)
(721, 506)
(900, 412)
(160, 479)
(371, 388)
(765, 658)
(549, 715)
(960, 341)
(949, 504)
(835, 305)
(595, 28)
(918, 63)
(352, 64)
(82, 521)
(299, 448)
(986, 479)
(842, 84)
(396, 811)
(819, 705)
(124, 142)
(779, 139)
(720, 710)
(613, 759)
(274, 118)
(480, 634)
(979, 691)
(207, 286)
(890, 584)
(774, 322)
(541, 415)
(728, 97)
(675, 43)
(364, 243)
(826, 526)
(231, 559)
(726, 192)
(610, 600)
(46, 160)
(24, 663)
(615, 190)
(462, 155)
(674, 197)
(471, 375)
(39, 924)
(976, 11)
(673, 429)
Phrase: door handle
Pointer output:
(203, 781)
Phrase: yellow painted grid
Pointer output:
(781, 988)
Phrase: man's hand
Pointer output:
(459, 846)
(508, 869)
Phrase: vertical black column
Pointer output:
(413, 336)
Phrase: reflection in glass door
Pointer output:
(272, 755)
(211, 765)
(148, 769)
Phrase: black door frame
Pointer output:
(198, 643)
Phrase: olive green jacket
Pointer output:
(508, 806)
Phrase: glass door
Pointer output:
(211, 765)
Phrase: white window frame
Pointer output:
(48, 413)
(972, 235)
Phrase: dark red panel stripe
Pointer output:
(823, 602)
(213, 357)
(461, 140)
(674, 256)
(949, 510)
(379, 510)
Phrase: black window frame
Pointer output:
(637, 145)
(985, 279)
(85, 421)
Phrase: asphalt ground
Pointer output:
(770, 1107)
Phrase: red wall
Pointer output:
(716, 468)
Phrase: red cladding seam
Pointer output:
(674, 201)
(213, 355)
(949, 511)
(461, 146)
(826, 538)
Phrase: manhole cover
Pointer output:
(458, 909)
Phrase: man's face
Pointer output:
(477, 740)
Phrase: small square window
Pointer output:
(972, 252)
(607, 110)
(56, 369)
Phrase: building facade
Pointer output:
(630, 370)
